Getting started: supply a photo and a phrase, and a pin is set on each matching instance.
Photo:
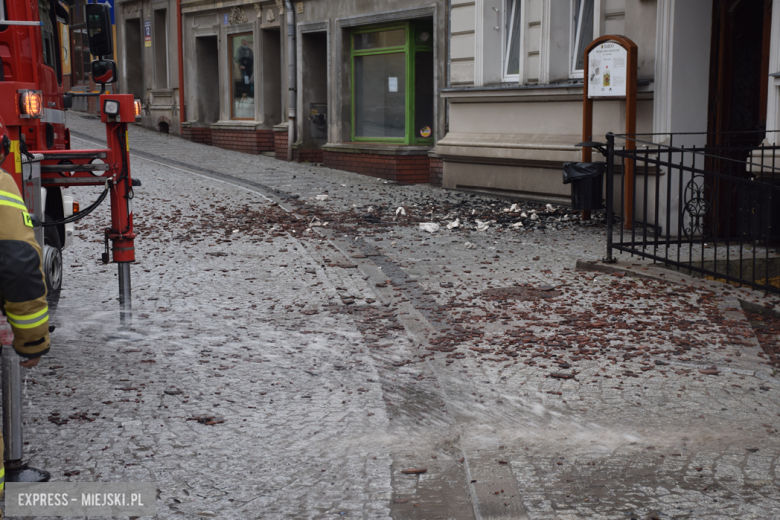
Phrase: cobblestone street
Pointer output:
(302, 348)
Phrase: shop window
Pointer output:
(582, 33)
(392, 84)
(512, 30)
(242, 98)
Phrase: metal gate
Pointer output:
(711, 210)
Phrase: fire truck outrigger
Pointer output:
(32, 104)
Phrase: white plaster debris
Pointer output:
(321, 197)
(523, 215)
(534, 216)
(514, 208)
(400, 211)
(469, 245)
(550, 208)
(455, 223)
(430, 227)
(517, 224)
(482, 226)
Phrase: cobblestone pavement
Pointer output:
(291, 356)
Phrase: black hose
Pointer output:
(80, 215)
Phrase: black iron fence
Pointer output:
(706, 204)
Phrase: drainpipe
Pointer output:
(182, 111)
(291, 76)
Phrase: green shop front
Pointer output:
(381, 100)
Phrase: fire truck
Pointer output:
(47, 170)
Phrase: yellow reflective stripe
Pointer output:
(11, 196)
(29, 321)
(2, 478)
(28, 316)
(13, 205)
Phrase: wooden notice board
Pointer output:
(611, 71)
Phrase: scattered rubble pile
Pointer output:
(456, 211)
(767, 329)
(637, 326)
(445, 212)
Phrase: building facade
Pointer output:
(376, 67)
(349, 83)
(515, 91)
(147, 58)
(516, 71)
(475, 94)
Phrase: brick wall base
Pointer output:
(280, 145)
(310, 155)
(403, 169)
(197, 134)
(437, 171)
(247, 141)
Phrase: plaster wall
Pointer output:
(530, 182)
(551, 118)
(682, 88)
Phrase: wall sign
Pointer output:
(147, 33)
(607, 71)
(392, 84)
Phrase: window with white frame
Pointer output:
(581, 33)
(511, 47)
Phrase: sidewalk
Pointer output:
(526, 387)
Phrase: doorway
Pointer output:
(208, 94)
(739, 72)
(134, 61)
(739, 68)
(272, 77)
(314, 109)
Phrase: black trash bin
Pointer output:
(587, 184)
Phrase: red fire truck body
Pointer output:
(32, 105)
(31, 81)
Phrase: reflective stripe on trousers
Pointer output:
(28, 321)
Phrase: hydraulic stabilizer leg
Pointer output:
(125, 296)
(121, 233)
(15, 468)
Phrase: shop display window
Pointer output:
(392, 83)
(242, 73)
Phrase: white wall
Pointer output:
(462, 42)
(682, 85)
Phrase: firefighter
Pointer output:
(22, 283)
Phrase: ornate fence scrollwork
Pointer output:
(695, 208)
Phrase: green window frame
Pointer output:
(418, 39)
